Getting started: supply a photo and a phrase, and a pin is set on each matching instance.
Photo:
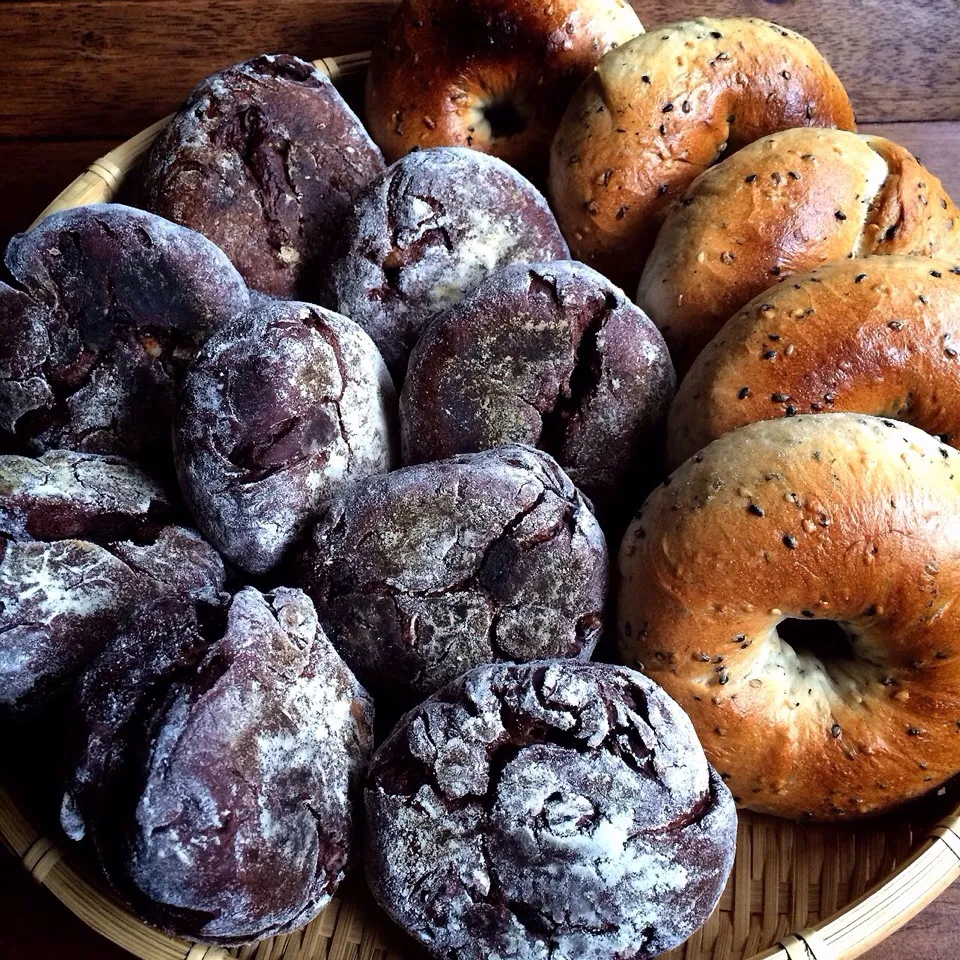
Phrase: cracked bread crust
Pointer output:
(63, 494)
(431, 570)
(282, 407)
(61, 601)
(550, 354)
(264, 158)
(109, 304)
(787, 203)
(216, 762)
(425, 233)
(544, 811)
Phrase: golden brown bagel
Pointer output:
(879, 336)
(834, 516)
(788, 202)
(662, 108)
(494, 75)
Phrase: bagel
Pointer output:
(662, 108)
(788, 202)
(879, 336)
(833, 517)
(494, 75)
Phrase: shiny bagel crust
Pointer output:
(443, 64)
(662, 108)
(835, 516)
(878, 336)
(789, 202)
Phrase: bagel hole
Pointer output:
(823, 639)
(504, 119)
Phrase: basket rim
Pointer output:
(852, 930)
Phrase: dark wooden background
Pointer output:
(76, 78)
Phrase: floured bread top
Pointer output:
(428, 231)
(551, 811)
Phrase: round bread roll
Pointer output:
(282, 407)
(102, 546)
(216, 758)
(63, 495)
(264, 158)
(553, 809)
(426, 233)
(792, 586)
(879, 336)
(424, 573)
(109, 306)
(549, 354)
(494, 75)
(786, 203)
(662, 108)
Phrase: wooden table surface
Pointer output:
(76, 78)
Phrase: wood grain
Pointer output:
(106, 67)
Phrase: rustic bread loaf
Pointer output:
(426, 572)
(282, 407)
(216, 759)
(264, 158)
(427, 232)
(109, 306)
(552, 809)
(550, 354)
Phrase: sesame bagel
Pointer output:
(879, 335)
(788, 202)
(494, 75)
(662, 108)
(738, 574)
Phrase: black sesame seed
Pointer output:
(663, 129)
(750, 178)
(686, 106)
(645, 78)
(840, 215)
(789, 541)
(950, 352)
(895, 324)
(755, 510)
(743, 393)
(923, 299)
(779, 397)
(791, 410)
(809, 108)
(859, 278)
(703, 657)
(773, 336)
(686, 201)
(662, 189)
(775, 271)
(836, 730)
(936, 273)
(764, 307)
(668, 108)
(716, 34)
(944, 453)
(724, 678)
(768, 354)
(914, 731)
(793, 175)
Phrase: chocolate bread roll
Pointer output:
(216, 759)
(553, 809)
(264, 158)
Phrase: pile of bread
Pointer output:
(411, 408)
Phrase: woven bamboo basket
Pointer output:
(797, 891)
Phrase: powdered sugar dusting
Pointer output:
(428, 231)
(535, 811)
(243, 813)
(282, 407)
